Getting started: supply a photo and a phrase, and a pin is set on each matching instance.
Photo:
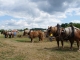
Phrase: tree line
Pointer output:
(64, 25)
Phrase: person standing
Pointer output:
(51, 37)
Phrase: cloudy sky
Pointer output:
(20, 14)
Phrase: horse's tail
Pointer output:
(29, 32)
(72, 34)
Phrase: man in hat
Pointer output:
(51, 37)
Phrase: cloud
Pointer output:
(76, 21)
(14, 24)
(36, 13)
(53, 6)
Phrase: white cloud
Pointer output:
(76, 21)
(36, 13)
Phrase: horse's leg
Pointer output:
(57, 39)
(10, 36)
(31, 39)
(5, 36)
(62, 44)
(78, 44)
(57, 42)
(39, 39)
(71, 41)
(42, 38)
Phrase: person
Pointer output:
(58, 28)
(72, 27)
(14, 32)
(51, 37)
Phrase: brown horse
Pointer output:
(72, 36)
(34, 34)
(56, 33)
(7, 34)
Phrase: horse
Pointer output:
(34, 34)
(4, 32)
(25, 32)
(72, 35)
(56, 33)
(7, 34)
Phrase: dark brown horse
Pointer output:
(7, 34)
(56, 33)
(72, 35)
(34, 34)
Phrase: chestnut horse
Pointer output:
(34, 34)
(56, 33)
(72, 35)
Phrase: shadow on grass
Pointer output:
(22, 41)
(62, 49)
(27, 41)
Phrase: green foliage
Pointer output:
(20, 29)
(68, 24)
(26, 29)
(1, 30)
(38, 29)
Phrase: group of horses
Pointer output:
(62, 34)
(7, 34)
(30, 33)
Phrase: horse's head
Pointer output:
(54, 30)
(62, 31)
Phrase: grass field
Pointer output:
(22, 49)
